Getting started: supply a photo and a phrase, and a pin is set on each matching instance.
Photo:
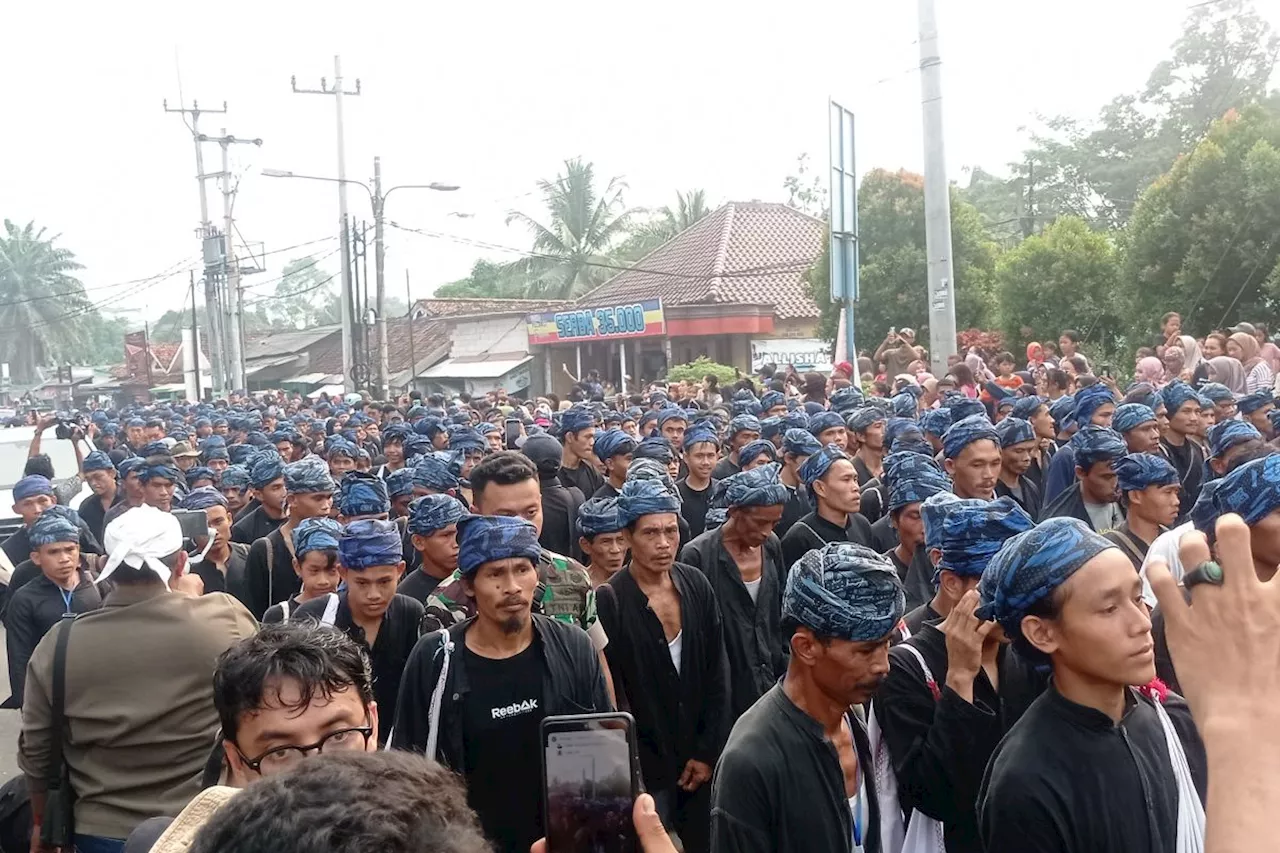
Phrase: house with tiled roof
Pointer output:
(731, 285)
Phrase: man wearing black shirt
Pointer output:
(743, 430)
(100, 473)
(32, 495)
(867, 425)
(1186, 455)
(503, 670)
(269, 569)
(577, 467)
(1149, 494)
(130, 491)
(560, 502)
(369, 610)
(833, 484)
(700, 452)
(912, 479)
(797, 446)
(1017, 446)
(222, 569)
(433, 524)
(266, 481)
(613, 448)
(666, 652)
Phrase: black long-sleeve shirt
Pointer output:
(797, 507)
(939, 745)
(884, 536)
(1028, 496)
(18, 546)
(694, 505)
(31, 612)
(754, 645)
(814, 531)
(269, 577)
(585, 478)
(1068, 779)
(779, 787)
(679, 715)
(397, 635)
(560, 518)
(94, 514)
(254, 526)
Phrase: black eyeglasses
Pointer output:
(355, 739)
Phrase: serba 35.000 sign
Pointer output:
(602, 322)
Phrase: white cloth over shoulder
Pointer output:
(1164, 548)
(141, 537)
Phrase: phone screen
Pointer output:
(590, 782)
(512, 433)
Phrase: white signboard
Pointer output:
(803, 353)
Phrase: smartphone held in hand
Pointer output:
(590, 780)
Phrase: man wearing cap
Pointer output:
(578, 463)
(744, 561)
(832, 484)
(1180, 448)
(971, 457)
(954, 687)
(100, 473)
(600, 536)
(1149, 495)
(269, 572)
(184, 455)
(62, 586)
(797, 774)
(613, 448)
(433, 526)
(667, 654)
(139, 686)
(266, 486)
(1095, 496)
(1018, 444)
(32, 495)
(743, 430)
(473, 696)
(559, 502)
(368, 609)
(1068, 598)
(701, 450)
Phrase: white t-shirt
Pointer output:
(753, 588)
(1164, 548)
(674, 647)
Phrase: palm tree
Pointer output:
(42, 304)
(573, 251)
(689, 209)
(664, 223)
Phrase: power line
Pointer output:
(180, 267)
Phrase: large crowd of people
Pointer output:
(875, 611)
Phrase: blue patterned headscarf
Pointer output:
(973, 531)
(671, 413)
(655, 447)
(800, 442)
(744, 423)
(160, 472)
(860, 420)
(1252, 491)
(644, 497)
(1013, 430)
(1253, 402)
(845, 400)
(362, 493)
(430, 513)
(370, 542)
(1131, 416)
(202, 498)
(934, 512)
(700, 435)
(196, 473)
(652, 469)
(266, 469)
(757, 487)
(1097, 444)
(599, 515)
(432, 472)
(1226, 435)
(1204, 512)
(771, 427)
(1217, 392)
(798, 419)
(1091, 398)
(488, 538)
(399, 483)
(817, 465)
(1063, 411)
(912, 478)
(771, 400)
(98, 460)
(904, 405)
(759, 447)
(905, 429)
(1176, 394)
(935, 422)
(613, 442)
(50, 527)
(845, 591)
(234, 477)
(966, 431)
(823, 421)
(308, 475)
(315, 534)
(1137, 471)
(576, 419)
(965, 407)
(1031, 566)
(1026, 407)
(467, 440)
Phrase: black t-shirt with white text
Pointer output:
(502, 712)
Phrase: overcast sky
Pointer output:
(493, 96)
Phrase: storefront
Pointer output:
(622, 342)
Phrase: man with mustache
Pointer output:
(474, 695)
(667, 654)
(796, 774)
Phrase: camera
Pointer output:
(68, 427)
(194, 524)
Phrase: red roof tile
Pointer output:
(437, 308)
(743, 252)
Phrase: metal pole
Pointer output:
(235, 365)
(408, 300)
(937, 198)
(379, 261)
(622, 358)
(577, 348)
(348, 356)
(195, 337)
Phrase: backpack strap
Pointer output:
(928, 674)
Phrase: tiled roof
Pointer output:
(436, 308)
(271, 344)
(744, 252)
(429, 336)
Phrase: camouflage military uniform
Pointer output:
(564, 593)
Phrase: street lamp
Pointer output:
(378, 200)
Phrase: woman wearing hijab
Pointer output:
(1227, 371)
(1243, 347)
(1035, 355)
(1149, 370)
(1175, 364)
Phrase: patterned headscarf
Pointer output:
(1217, 392)
(98, 460)
(744, 423)
(1253, 402)
(973, 531)
(671, 413)
(430, 513)
(817, 465)
(576, 419)
(467, 440)
(699, 435)
(797, 419)
(52, 527)
(966, 431)
(399, 483)
(963, 407)
(1097, 444)
(1252, 491)
(800, 442)
(904, 405)
(488, 538)
(362, 493)
(1226, 435)
(1176, 394)
(845, 591)
(823, 421)
(1089, 399)
(845, 400)
(613, 442)
(860, 420)
(1031, 566)
(771, 400)
(644, 497)
(652, 469)
(266, 469)
(308, 475)
(202, 498)
(912, 478)
(1130, 416)
(936, 422)
(315, 534)
(32, 485)
(234, 477)
(160, 472)
(370, 542)
(759, 447)
(432, 472)
(1137, 471)
(1063, 412)
(655, 447)
(757, 487)
(1013, 430)
(1026, 407)
(599, 515)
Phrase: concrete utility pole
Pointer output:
(937, 198)
(379, 259)
(348, 356)
(207, 233)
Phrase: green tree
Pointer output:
(806, 192)
(647, 235)
(1223, 60)
(573, 251)
(43, 305)
(489, 281)
(1204, 240)
(305, 296)
(1065, 278)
